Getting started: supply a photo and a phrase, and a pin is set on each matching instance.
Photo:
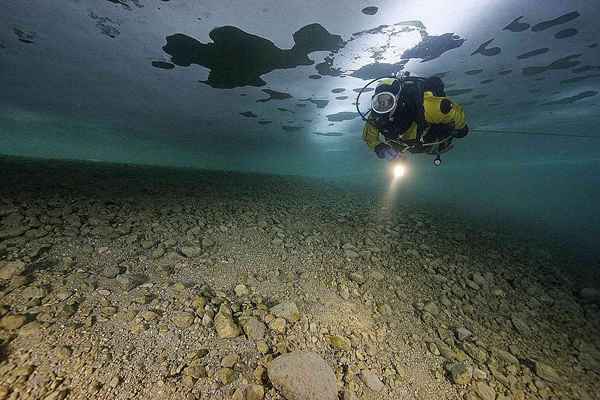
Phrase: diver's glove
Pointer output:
(386, 151)
(461, 133)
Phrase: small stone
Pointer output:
(520, 325)
(4, 391)
(339, 342)
(114, 382)
(262, 347)
(230, 360)
(479, 374)
(344, 292)
(30, 329)
(278, 325)
(505, 357)
(182, 319)
(357, 277)
(62, 352)
(131, 281)
(57, 395)
(254, 329)
(241, 291)
(191, 251)
(463, 334)
(255, 392)
(303, 376)
(195, 372)
(546, 372)
(431, 308)
(288, 310)
(460, 373)
(207, 242)
(249, 392)
(149, 315)
(110, 271)
(484, 391)
(371, 380)
(12, 322)
(10, 269)
(224, 375)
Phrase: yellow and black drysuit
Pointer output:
(442, 117)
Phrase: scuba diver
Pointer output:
(411, 114)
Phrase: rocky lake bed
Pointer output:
(125, 282)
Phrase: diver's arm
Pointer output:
(442, 110)
(370, 135)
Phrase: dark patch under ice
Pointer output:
(338, 90)
(266, 122)
(342, 116)
(375, 70)
(485, 51)
(562, 63)
(248, 114)
(326, 68)
(474, 72)
(289, 128)
(586, 68)
(432, 47)
(24, 36)
(125, 3)
(371, 10)
(516, 25)
(486, 81)
(105, 25)
(579, 79)
(328, 133)
(274, 95)
(341, 97)
(572, 99)
(533, 53)
(563, 19)
(163, 65)
(369, 89)
(237, 58)
(565, 33)
(315, 76)
(318, 103)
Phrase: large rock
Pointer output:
(10, 269)
(288, 311)
(590, 295)
(225, 325)
(254, 329)
(303, 376)
(460, 373)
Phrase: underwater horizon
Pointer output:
(299, 200)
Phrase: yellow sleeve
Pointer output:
(370, 135)
(442, 110)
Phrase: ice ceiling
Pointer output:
(270, 86)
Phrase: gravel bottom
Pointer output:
(122, 282)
